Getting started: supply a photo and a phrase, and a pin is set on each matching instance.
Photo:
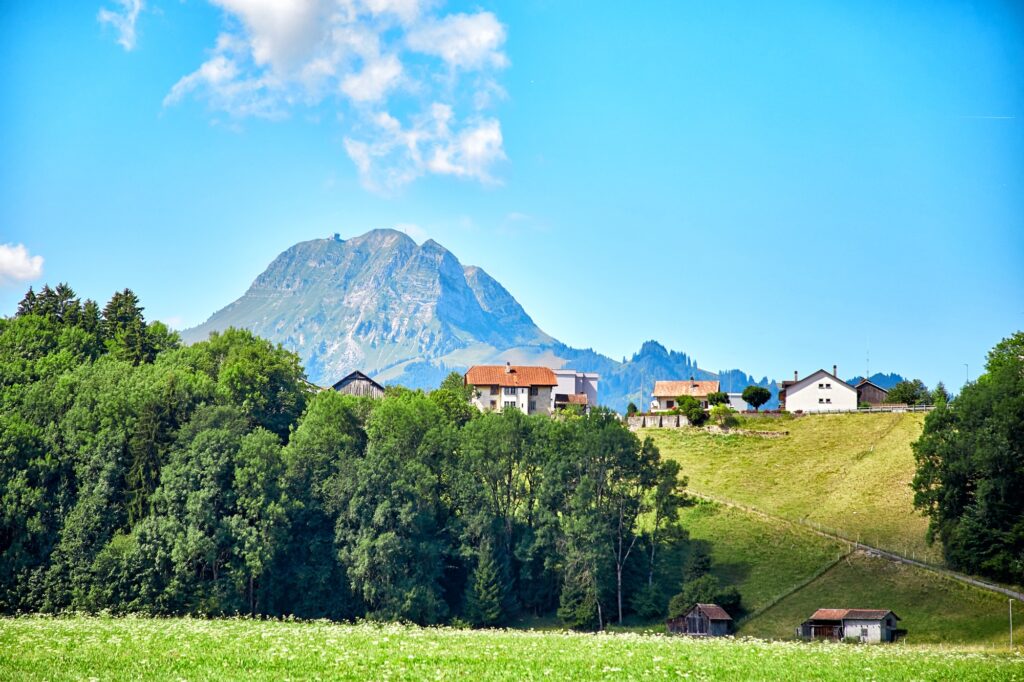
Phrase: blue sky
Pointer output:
(769, 188)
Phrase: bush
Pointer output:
(724, 416)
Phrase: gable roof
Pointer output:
(354, 376)
(792, 387)
(866, 382)
(673, 389)
(517, 375)
(713, 611)
(851, 614)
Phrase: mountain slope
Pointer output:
(409, 314)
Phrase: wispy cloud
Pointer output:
(123, 21)
(410, 85)
(17, 265)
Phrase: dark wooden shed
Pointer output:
(703, 620)
(870, 393)
(359, 384)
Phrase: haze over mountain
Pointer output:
(407, 313)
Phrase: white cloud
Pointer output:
(435, 142)
(377, 78)
(465, 41)
(16, 265)
(408, 84)
(123, 21)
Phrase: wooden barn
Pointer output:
(359, 384)
(703, 620)
(870, 393)
(866, 625)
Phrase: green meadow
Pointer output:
(74, 648)
(847, 472)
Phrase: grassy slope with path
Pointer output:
(761, 557)
(933, 609)
(35, 648)
(850, 472)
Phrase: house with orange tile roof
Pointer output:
(508, 386)
(667, 393)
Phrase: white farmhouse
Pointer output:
(574, 388)
(667, 393)
(820, 392)
(516, 387)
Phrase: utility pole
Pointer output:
(1011, 623)
(967, 375)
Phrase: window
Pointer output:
(863, 633)
(828, 400)
(494, 403)
(510, 404)
(510, 390)
(534, 390)
(828, 385)
(494, 390)
(533, 406)
(670, 404)
(821, 385)
(821, 400)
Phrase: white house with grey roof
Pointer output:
(821, 391)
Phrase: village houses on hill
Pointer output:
(531, 390)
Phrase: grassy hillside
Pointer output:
(934, 609)
(80, 648)
(851, 472)
(764, 559)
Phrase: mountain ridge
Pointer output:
(410, 313)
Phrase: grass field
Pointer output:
(933, 609)
(35, 648)
(761, 557)
(850, 472)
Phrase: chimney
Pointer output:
(508, 367)
(835, 372)
(795, 377)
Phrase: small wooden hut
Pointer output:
(359, 384)
(703, 620)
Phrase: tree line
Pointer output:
(139, 475)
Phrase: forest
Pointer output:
(139, 475)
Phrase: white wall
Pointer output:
(852, 628)
(519, 396)
(737, 403)
(820, 393)
(571, 382)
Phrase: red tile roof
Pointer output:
(674, 389)
(851, 614)
(517, 375)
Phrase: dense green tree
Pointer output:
(486, 591)
(970, 469)
(321, 460)
(264, 380)
(939, 394)
(756, 396)
(631, 409)
(909, 393)
(718, 398)
(390, 526)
